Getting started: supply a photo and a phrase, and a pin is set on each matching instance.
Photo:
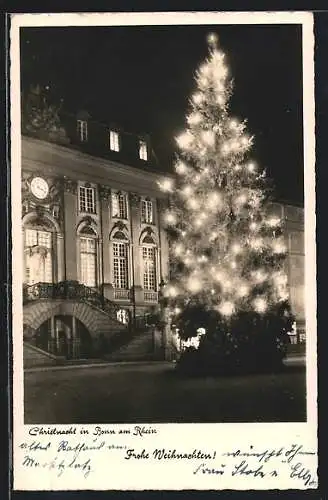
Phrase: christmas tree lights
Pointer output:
(227, 254)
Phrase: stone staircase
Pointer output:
(33, 356)
(96, 315)
(140, 347)
(111, 339)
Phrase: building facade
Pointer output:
(95, 252)
(293, 217)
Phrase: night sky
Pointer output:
(141, 78)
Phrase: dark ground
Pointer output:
(154, 393)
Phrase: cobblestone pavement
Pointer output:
(134, 393)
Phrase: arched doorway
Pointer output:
(64, 336)
(42, 336)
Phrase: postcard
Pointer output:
(164, 260)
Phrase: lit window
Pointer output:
(114, 140)
(82, 130)
(88, 261)
(87, 200)
(143, 153)
(119, 205)
(147, 211)
(38, 256)
(123, 316)
(149, 267)
(120, 265)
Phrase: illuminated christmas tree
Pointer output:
(227, 253)
(40, 118)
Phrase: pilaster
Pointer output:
(52, 338)
(135, 204)
(104, 195)
(60, 257)
(75, 340)
(70, 204)
(163, 249)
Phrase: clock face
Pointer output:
(39, 188)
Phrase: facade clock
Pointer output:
(39, 188)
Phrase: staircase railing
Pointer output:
(70, 290)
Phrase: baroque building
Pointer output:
(293, 217)
(95, 252)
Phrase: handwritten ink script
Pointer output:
(79, 451)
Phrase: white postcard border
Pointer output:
(136, 475)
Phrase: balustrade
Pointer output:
(121, 294)
(72, 290)
(151, 297)
(69, 290)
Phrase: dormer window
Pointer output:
(143, 153)
(114, 141)
(82, 130)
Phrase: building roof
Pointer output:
(49, 122)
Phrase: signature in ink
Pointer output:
(298, 471)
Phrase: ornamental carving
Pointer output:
(56, 212)
(52, 204)
(87, 220)
(56, 190)
(148, 230)
(70, 186)
(38, 249)
(26, 181)
(120, 225)
(40, 118)
(55, 187)
(104, 193)
(40, 210)
(87, 226)
(135, 199)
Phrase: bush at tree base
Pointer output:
(247, 343)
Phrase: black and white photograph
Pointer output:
(163, 224)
